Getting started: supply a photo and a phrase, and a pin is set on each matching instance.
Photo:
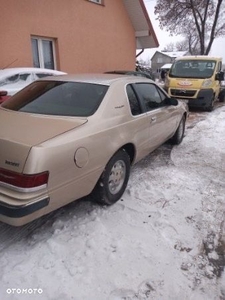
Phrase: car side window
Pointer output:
(13, 78)
(150, 95)
(17, 78)
(162, 95)
(133, 101)
(24, 76)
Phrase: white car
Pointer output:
(13, 80)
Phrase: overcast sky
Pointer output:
(164, 38)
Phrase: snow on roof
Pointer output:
(166, 66)
(13, 71)
(175, 53)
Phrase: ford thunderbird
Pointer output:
(66, 137)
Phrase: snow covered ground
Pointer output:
(164, 240)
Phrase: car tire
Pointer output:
(113, 181)
(179, 134)
(210, 107)
(221, 96)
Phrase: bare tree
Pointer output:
(189, 44)
(199, 21)
(169, 47)
(181, 45)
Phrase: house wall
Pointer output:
(89, 37)
(159, 60)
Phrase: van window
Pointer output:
(193, 68)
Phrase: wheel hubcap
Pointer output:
(117, 177)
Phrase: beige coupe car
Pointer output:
(65, 137)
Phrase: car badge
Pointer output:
(12, 163)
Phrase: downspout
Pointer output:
(142, 50)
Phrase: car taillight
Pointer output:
(24, 181)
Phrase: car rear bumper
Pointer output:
(18, 211)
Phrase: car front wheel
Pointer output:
(113, 180)
(179, 134)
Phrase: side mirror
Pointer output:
(220, 76)
(171, 101)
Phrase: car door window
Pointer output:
(150, 96)
(17, 78)
(41, 75)
(163, 96)
(133, 101)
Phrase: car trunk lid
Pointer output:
(20, 131)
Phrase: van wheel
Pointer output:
(179, 134)
(221, 96)
(113, 180)
(210, 107)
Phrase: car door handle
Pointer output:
(153, 119)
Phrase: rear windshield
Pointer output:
(193, 68)
(58, 98)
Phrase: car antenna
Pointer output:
(10, 64)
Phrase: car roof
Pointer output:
(127, 72)
(104, 79)
(11, 71)
(198, 57)
(120, 72)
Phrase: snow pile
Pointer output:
(165, 239)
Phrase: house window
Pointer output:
(159, 60)
(43, 53)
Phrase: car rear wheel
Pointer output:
(113, 180)
(179, 134)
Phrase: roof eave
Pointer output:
(144, 32)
